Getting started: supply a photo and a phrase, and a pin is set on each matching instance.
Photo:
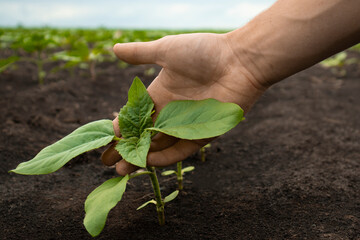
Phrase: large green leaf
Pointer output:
(101, 201)
(134, 150)
(135, 116)
(85, 138)
(189, 119)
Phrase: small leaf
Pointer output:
(134, 150)
(135, 116)
(101, 201)
(171, 196)
(207, 145)
(168, 172)
(145, 204)
(190, 119)
(188, 169)
(87, 137)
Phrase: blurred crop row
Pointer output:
(68, 48)
(79, 48)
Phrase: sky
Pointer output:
(142, 14)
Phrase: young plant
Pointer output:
(182, 119)
(80, 54)
(338, 62)
(203, 152)
(36, 44)
(179, 173)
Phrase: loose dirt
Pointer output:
(291, 170)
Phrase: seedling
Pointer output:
(203, 152)
(179, 173)
(337, 63)
(182, 119)
(37, 43)
(80, 54)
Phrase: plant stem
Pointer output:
(92, 70)
(139, 174)
(159, 201)
(202, 152)
(116, 138)
(179, 175)
(39, 64)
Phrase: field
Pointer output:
(289, 171)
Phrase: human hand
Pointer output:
(194, 66)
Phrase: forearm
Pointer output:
(293, 35)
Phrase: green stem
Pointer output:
(179, 175)
(139, 174)
(115, 138)
(39, 64)
(202, 152)
(159, 201)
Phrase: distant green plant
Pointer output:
(337, 63)
(69, 49)
(356, 47)
(83, 56)
(36, 44)
(150, 72)
(185, 119)
(7, 62)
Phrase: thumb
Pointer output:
(137, 52)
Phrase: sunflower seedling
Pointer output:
(182, 119)
(37, 45)
(179, 173)
(203, 152)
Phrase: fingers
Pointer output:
(116, 127)
(110, 156)
(162, 141)
(137, 52)
(177, 152)
(123, 168)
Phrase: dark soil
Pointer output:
(291, 170)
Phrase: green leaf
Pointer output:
(101, 201)
(7, 62)
(134, 150)
(207, 145)
(188, 169)
(135, 116)
(190, 119)
(167, 173)
(85, 138)
(171, 196)
(338, 60)
(145, 204)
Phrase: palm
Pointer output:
(195, 66)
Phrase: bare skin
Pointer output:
(237, 66)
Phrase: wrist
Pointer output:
(245, 47)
